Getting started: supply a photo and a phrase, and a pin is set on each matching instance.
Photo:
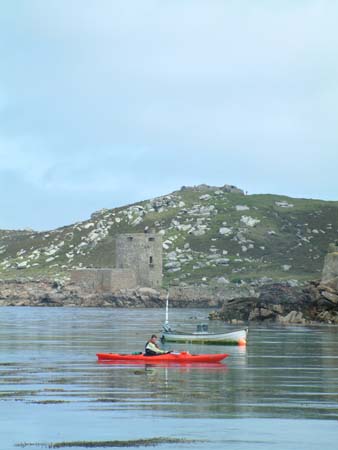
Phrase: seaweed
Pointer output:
(151, 442)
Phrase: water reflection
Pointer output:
(48, 355)
(167, 364)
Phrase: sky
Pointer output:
(105, 103)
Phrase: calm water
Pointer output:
(281, 392)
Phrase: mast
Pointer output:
(167, 310)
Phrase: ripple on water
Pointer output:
(48, 364)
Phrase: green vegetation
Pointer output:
(209, 236)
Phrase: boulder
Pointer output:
(330, 269)
(172, 256)
(293, 317)
(198, 232)
(330, 296)
(148, 292)
(205, 197)
(225, 231)
(172, 265)
(221, 261)
(284, 204)
(249, 221)
(222, 280)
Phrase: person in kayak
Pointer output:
(152, 348)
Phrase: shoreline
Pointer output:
(313, 303)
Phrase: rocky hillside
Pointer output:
(211, 236)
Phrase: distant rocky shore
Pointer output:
(271, 303)
(279, 303)
(56, 293)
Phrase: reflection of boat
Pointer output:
(202, 335)
(182, 366)
(176, 358)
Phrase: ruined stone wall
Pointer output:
(89, 279)
(103, 280)
(142, 253)
(122, 279)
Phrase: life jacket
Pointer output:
(150, 349)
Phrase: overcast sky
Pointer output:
(104, 103)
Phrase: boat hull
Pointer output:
(232, 338)
(176, 358)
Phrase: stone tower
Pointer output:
(141, 253)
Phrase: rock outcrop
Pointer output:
(284, 304)
(330, 269)
(54, 293)
(205, 187)
(25, 292)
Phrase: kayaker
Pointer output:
(152, 347)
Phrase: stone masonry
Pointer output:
(138, 263)
(142, 253)
(103, 280)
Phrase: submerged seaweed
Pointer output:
(151, 442)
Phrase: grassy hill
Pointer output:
(211, 236)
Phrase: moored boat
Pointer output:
(176, 358)
(203, 337)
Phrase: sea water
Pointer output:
(279, 392)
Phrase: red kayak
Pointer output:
(183, 357)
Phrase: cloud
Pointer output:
(126, 99)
